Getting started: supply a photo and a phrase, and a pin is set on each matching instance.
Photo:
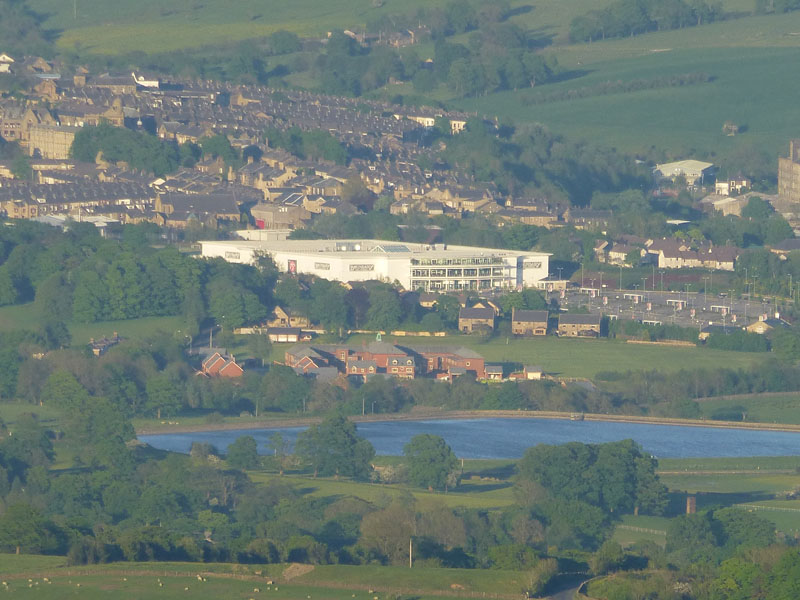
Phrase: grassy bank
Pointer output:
(754, 408)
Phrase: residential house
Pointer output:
(494, 372)
(587, 218)
(532, 372)
(305, 359)
(782, 249)
(573, 325)
(671, 253)
(361, 368)
(451, 361)
(765, 324)
(472, 319)
(207, 209)
(529, 322)
(218, 365)
(287, 318)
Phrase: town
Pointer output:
(380, 300)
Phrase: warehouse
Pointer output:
(426, 267)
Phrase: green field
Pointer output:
(24, 316)
(471, 493)
(48, 577)
(745, 56)
(582, 358)
(767, 408)
(684, 120)
(109, 27)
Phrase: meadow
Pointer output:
(747, 88)
(472, 493)
(24, 316)
(49, 577)
(754, 408)
(112, 27)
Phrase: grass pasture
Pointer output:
(471, 493)
(583, 358)
(764, 408)
(682, 120)
(746, 55)
(24, 316)
(171, 580)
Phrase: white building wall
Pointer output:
(518, 269)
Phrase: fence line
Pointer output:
(774, 508)
(642, 529)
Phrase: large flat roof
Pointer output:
(371, 248)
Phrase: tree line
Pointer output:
(633, 17)
(130, 503)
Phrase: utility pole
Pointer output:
(410, 552)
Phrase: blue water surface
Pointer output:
(508, 438)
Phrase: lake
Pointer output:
(508, 438)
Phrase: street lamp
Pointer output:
(661, 272)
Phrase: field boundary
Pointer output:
(772, 508)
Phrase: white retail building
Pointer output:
(427, 267)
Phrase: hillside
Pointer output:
(665, 120)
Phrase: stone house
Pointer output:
(579, 325)
(529, 322)
(470, 319)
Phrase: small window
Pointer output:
(467, 363)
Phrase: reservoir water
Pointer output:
(508, 438)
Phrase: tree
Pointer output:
(385, 310)
(281, 448)
(430, 461)
(334, 448)
(163, 395)
(243, 453)
(356, 193)
(448, 307)
(22, 527)
(756, 209)
(388, 531)
(283, 389)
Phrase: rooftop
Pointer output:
(374, 248)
